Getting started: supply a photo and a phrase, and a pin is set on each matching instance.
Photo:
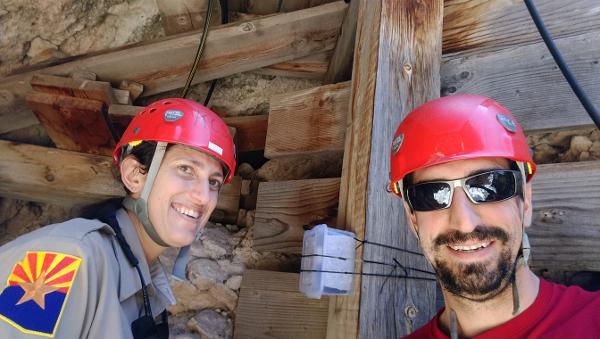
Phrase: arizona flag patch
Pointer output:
(37, 290)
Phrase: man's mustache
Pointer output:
(481, 233)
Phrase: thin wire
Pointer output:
(387, 246)
(199, 51)
(372, 274)
(397, 263)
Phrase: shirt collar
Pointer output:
(154, 276)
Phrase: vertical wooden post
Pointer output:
(396, 68)
(408, 75)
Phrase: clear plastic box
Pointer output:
(327, 250)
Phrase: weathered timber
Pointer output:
(263, 7)
(565, 233)
(340, 65)
(73, 124)
(134, 89)
(36, 173)
(284, 207)
(408, 67)
(344, 312)
(251, 130)
(495, 24)
(526, 80)
(270, 306)
(308, 121)
(310, 67)
(164, 65)
(80, 88)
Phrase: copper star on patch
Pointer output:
(36, 291)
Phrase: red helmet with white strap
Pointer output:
(181, 121)
(456, 127)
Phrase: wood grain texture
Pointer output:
(407, 76)
(308, 121)
(270, 306)
(344, 312)
(340, 65)
(496, 24)
(565, 233)
(50, 175)
(164, 65)
(79, 88)
(73, 124)
(284, 207)
(526, 80)
(309, 67)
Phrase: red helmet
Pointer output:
(457, 127)
(182, 121)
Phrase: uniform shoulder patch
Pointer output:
(37, 290)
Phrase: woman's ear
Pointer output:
(133, 176)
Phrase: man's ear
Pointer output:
(411, 217)
(528, 209)
(133, 176)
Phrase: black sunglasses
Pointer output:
(491, 186)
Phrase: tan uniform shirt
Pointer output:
(72, 280)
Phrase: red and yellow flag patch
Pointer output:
(37, 290)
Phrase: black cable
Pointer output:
(372, 274)
(564, 68)
(224, 20)
(387, 246)
(397, 263)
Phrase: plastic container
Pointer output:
(329, 250)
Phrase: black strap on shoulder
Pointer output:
(144, 327)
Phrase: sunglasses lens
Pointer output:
(429, 196)
(491, 186)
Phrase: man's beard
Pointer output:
(475, 281)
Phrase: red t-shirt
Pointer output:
(557, 312)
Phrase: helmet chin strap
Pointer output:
(140, 206)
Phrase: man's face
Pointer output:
(184, 194)
(472, 247)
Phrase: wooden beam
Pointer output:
(73, 124)
(50, 175)
(344, 312)
(565, 233)
(284, 207)
(532, 88)
(407, 75)
(340, 65)
(308, 121)
(251, 130)
(179, 16)
(309, 67)
(164, 65)
(270, 306)
(79, 88)
(495, 24)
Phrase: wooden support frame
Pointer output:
(407, 61)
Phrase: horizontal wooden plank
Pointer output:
(308, 121)
(164, 65)
(494, 24)
(50, 175)
(309, 67)
(251, 130)
(270, 306)
(565, 233)
(55, 176)
(284, 207)
(73, 124)
(526, 80)
(80, 88)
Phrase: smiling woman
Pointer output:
(173, 160)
